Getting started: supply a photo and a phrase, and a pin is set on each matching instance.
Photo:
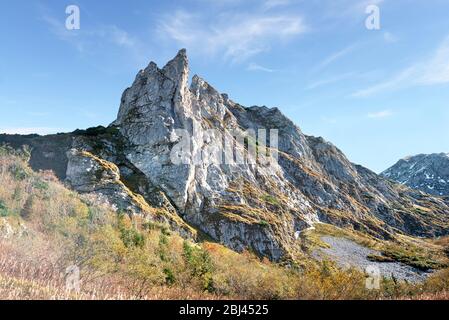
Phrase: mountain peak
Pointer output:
(152, 83)
(426, 172)
(178, 68)
(170, 148)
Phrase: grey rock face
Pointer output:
(150, 110)
(87, 173)
(258, 204)
(6, 231)
(153, 109)
(426, 172)
(9, 231)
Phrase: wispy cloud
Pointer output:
(270, 4)
(398, 80)
(7, 101)
(257, 67)
(344, 9)
(380, 114)
(389, 37)
(37, 113)
(236, 36)
(361, 5)
(117, 36)
(329, 120)
(336, 56)
(330, 80)
(58, 28)
(430, 71)
(436, 70)
(263, 4)
(85, 40)
(31, 130)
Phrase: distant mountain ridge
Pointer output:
(426, 172)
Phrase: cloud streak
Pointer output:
(430, 71)
(336, 56)
(324, 82)
(31, 130)
(380, 114)
(86, 40)
(270, 4)
(257, 67)
(389, 37)
(236, 37)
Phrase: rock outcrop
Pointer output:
(426, 172)
(10, 230)
(246, 177)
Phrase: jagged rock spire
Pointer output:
(177, 69)
(151, 82)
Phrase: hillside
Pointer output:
(46, 228)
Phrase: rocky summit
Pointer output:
(162, 160)
(426, 172)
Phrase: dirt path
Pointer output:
(347, 253)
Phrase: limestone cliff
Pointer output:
(166, 150)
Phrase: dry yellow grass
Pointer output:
(119, 258)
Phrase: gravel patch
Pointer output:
(347, 253)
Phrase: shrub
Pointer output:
(27, 209)
(131, 237)
(264, 223)
(40, 185)
(438, 282)
(151, 226)
(170, 278)
(271, 200)
(3, 210)
(199, 262)
(19, 171)
(23, 154)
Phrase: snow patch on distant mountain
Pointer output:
(426, 172)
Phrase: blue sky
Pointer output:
(378, 95)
